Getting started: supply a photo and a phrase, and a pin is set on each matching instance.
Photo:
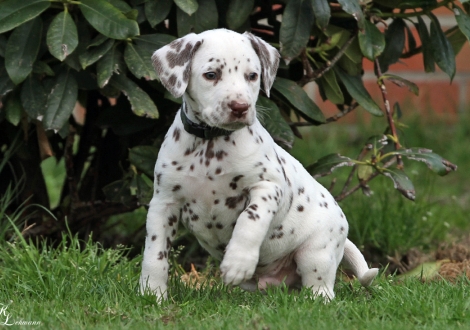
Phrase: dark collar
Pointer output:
(201, 130)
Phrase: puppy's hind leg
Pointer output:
(317, 268)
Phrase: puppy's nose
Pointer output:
(238, 109)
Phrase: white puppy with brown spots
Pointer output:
(246, 200)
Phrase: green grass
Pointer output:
(91, 288)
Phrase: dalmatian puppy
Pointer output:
(246, 200)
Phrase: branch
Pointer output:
(388, 112)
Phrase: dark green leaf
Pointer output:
(356, 89)
(110, 63)
(60, 101)
(188, 6)
(121, 5)
(144, 158)
(413, 4)
(295, 29)
(206, 18)
(394, 44)
(13, 109)
(271, 119)
(41, 67)
(463, 20)
(14, 13)
(411, 39)
(371, 41)
(354, 8)
(144, 189)
(428, 57)
(22, 49)
(238, 12)
(62, 37)
(332, 90)
(98, 40)
(435, 162)
(442, 49)
(118, 191)
(326, 165)
(401, 182)
(402, 82)
(141, 103)
(297, 97)
(3, 45)
(6, 85)
(157, 10)
(152, 42)
(108, 20)
(95, 53)
(139, 62)
(321, 9)
(33, 97)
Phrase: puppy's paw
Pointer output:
(238, 265)
(158, 290)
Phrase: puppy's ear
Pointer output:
(269, 58)
(173, 63)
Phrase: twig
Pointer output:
(362, 154)
(388, 112)
(328, 120)
(70, 171)
(328, 66)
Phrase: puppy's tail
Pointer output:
(354, 260)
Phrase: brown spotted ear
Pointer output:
(173, 63)
(269, 58)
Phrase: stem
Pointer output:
(388, 112)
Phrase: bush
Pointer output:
(62, 58)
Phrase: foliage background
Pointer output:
(60, 56)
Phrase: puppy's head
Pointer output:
(218, 73)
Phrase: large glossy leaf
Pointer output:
(270, 117)
(295, 29)
(463, 20)
(353, 7)
(238, 12)
(157, 10)
(442, 49)
(371, 41)
(327, 164)
(62, 36)
(394, 44)
(95, 53)
(60, 101)
(435, 162)
(321, 9)
(152, 42)
(428, 57)
(356, 89)
(3, 45)
(331, 87)
(144, 158)
(401, 182)
(141, 103)
(109, 64)
(22, 49)
(14, 12)
(139, 62)
(6, 85)
(297, 97)
(205, 18)
(33, 97)
(108, 20)
(13, 109)
(188, 6)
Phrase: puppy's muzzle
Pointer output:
(239, 109)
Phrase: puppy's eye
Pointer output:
(210, 75)
(253, 76)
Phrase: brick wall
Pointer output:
(436, 94)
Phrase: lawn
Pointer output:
(79, 285)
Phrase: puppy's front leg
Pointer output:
(242, 253)
(162, 223)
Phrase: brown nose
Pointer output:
(238, 109)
